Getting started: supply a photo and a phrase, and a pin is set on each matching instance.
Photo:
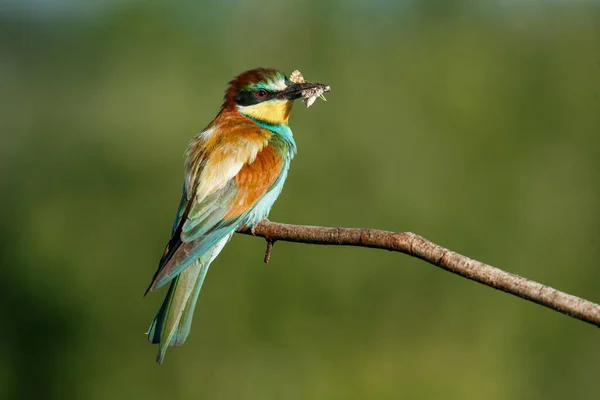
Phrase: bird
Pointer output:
(235, 169)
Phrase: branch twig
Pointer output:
(417, 246)
(268, 251)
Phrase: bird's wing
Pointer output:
(227, 173)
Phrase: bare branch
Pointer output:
(268, 251)
(417, 246)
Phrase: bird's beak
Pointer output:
(295, 90)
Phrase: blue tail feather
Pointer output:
(171, 325)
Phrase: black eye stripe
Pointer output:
(249, 97)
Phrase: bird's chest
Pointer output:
(269, 172)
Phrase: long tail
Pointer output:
(172, 323)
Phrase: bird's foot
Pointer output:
(253, 228)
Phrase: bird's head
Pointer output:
(264, 94)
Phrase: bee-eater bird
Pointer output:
(234, 171)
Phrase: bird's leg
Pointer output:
(253, 228)
(270, 242)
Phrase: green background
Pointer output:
(474, 124)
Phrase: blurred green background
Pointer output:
(474, 124)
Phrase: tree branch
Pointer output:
(417, 246)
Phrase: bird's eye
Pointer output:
(261, 94)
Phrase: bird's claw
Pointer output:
(253, 227)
